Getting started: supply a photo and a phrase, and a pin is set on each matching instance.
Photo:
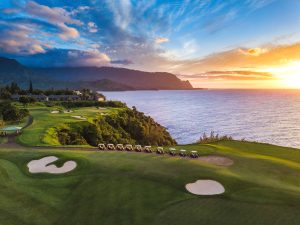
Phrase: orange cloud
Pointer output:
(232, 75)
(160, 40)
(240, 58)
(253, 51)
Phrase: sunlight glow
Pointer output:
(288, 74)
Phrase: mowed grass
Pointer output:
(113, 188)
(40, 133)
(3, 140)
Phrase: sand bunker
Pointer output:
(79, 117)
(41, 166)
(217, 160)
(205, 187)
(55, 112)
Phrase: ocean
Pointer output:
(270, 116)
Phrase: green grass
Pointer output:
(41, 132)
(262, 188)
(3, 140)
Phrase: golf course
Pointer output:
(261, 181)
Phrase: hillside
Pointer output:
(12, 71)
(106, 85)
(133, 78)
(97, 78)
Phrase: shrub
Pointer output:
(205, 139)
(78, 104)
(67, 136)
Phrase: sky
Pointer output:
(211, 43)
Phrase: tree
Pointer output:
(12, 113)
(14, 88)
(30, 87)
(25, 100)
(5, 94)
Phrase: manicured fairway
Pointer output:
(40, 133)
(113, 188)
(3, 140)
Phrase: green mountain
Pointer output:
(97, 78)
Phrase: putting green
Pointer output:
(262, 187)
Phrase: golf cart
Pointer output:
(194, 154)
(120, 147)
(182, 153)
(111, 147)
(148, 149)
(101, 146)
(138, 148)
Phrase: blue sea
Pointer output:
(271, 116)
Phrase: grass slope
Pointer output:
(262, 188)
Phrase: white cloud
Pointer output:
(19, 42)
(91, 57)
(122, 12)
(56, 16)
(92, 27)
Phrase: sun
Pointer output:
(289, 74)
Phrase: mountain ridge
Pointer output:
(88, 77)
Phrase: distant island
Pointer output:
(94, 78)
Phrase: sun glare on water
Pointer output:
(289, 74)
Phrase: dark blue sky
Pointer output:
(185, 37)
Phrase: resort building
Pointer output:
(64, 98)
(40, 98)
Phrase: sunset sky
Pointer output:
(212, 43)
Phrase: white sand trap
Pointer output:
(55, 112)
(41, 166)
(217, 160)
(205, 187)
(79, 117)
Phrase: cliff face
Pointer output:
(88, 77)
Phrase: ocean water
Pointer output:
(271, 116)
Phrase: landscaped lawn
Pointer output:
(38, 134)
(113, 188)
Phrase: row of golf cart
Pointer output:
(148, 149)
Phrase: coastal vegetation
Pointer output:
(128, 126)
(89, 123)
(213, 137)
